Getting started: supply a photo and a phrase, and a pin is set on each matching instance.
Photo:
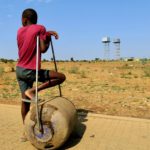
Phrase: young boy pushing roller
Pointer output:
(26, 66)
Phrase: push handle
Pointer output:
(53, 53)
(36, 86)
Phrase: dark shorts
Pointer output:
(26, 77)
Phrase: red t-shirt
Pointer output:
(26, 40)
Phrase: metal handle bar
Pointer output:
(51, 43)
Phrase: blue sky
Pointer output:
(81, 24)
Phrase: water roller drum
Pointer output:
(58, 117)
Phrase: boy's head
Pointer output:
(29, 16)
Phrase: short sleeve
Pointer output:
(43, 33)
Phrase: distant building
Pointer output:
(131, 59)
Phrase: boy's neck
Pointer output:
(28, 24)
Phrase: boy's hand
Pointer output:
(53, 33)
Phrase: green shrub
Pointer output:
(74, 70)
(1, 71)
(83, 74)
(147, 72)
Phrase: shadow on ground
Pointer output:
(79, 131)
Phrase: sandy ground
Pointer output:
(98, 132)
(112, 88)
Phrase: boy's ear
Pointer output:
(24, 21)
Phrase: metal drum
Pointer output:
(58, 118)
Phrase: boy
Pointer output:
(26, 66)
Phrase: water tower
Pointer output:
(117, 45)
(106, 41)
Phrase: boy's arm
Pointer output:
(44, 45)
(52, 33)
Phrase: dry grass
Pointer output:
(116, 88)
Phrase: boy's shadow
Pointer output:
(79, 131)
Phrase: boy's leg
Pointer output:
(55, 78)
(25, 107)
(24, 84)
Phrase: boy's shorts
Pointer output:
(26, 77)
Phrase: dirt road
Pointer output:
(99, 132)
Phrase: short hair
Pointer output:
(30, 14)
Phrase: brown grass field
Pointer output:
(115, 88)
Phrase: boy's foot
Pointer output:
(23, 138)
(33, 100)
(29, 93)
